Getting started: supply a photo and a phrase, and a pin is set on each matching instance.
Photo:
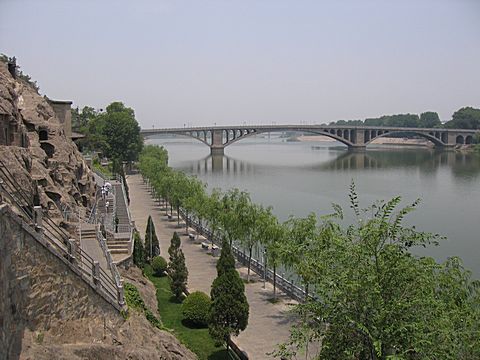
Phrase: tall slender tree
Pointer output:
(229, 310)
(152, 247)
(138, 251)
(177, 268)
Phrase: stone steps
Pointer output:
(117, 247)
(119, 251)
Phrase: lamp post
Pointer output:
(264, 268)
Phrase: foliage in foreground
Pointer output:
(375, 300)
(195, 308)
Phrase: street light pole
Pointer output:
(264, 268)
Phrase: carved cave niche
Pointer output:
(43, 134)
(54, 196)
(48, 148)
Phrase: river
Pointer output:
(296, 178)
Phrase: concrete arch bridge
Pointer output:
(355, 137)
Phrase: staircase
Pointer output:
(89, 244)
(120, 243)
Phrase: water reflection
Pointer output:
(427, 162)
(220, 164)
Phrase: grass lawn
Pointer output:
(197, 340)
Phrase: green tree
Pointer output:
(121, 132)
(250, 222)
(302, 240)
(138, 251)
(81, 118)
(179, 192)
(193, 193)
(226, 261)
(152, 247)
(465, 118)
(430, 119)
(258, 219)
(229, 310)
(378, 301)
(213, 212)
(272, 237)
(177, 268)
(234, 205)
(174, 246)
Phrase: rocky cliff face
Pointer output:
(40, 153)
(46, 310)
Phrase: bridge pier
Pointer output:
(357, 148)
(217, 147)
(214, 150)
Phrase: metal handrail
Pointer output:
(56, 237)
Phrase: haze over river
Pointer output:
(297, 178)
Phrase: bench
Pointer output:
(169, 217)
(205, 245)
(191, 236)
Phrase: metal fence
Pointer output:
(287, 286)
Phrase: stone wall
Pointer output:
(48, 312)
(63, 110)
(39, 291)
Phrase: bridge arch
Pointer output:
(435, 140)
(328, 133)
(202, 136)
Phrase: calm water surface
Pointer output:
(300, 177)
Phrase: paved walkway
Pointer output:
(268, 323)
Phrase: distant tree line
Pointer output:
(464, 118)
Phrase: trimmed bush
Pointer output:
(195, 308)
(159, 265)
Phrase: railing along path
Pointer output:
(59, 242)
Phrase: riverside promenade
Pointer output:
(268, 324)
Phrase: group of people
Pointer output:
(106, 188)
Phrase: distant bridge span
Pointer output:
(355, 137)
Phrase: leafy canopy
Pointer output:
(376, 300)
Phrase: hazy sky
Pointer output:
(230, 62)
